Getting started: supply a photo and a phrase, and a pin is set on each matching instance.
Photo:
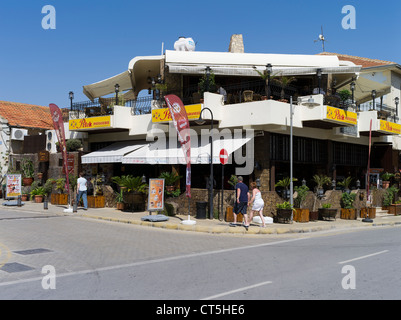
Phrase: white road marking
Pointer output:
(363, 257)
(237, 290)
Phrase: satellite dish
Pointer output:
(321, 38)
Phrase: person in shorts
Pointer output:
(241, 202)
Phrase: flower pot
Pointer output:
(348, 214)
(120, 205)
(59, 198)
(370, 212)
(313, 215)
(24, 197)
(27, 181)
(38, 198)
(283, 215)
(301, 215)
(386, 184)
(170, 188)
(327, 213)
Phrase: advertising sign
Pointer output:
(164, 115)
(90, 123)
(341, 116)
(156, 195)
(390, 127)
(13, 185)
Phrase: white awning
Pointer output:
(107, 86)
(250, 71)
(158, 154)
(112, 153)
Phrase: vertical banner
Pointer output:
(58, 125)
(181, 124)
(368, 170)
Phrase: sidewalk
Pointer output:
(206, 225)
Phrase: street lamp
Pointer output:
(202, 121)
(269, 70)
(397, 101)
(117, 89)
(319, 77)
(333, 184)
(71, 95)
(352, 91)
(373, 98)
(207, 69)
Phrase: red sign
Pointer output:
(223, 156)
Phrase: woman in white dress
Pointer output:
(258, 203)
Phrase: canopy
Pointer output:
(112, 153)
(157, 154)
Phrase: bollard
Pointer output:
(74, 206)
(19, 201)
(45, 204)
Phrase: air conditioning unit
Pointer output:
(18, 134)
(51, 140)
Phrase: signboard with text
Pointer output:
(164, 115)
(390, 127)
(13, 185)
(90, 123)
(156, 195)
(341, 116)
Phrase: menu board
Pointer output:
(156, 195)
(13, 185)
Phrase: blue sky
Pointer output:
(94, 40)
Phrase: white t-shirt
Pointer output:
(82, 184)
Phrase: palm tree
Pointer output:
(284, 82)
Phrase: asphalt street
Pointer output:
(94, 259)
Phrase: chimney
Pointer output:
(236, 44)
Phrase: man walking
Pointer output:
(241, 202)
(82, 187)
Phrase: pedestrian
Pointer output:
(82, 190)
(241, 202)
(258, 203)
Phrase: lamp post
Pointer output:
(117, 89)
(352, 86)
(269, 70)
(374, 98)
(207, 69)
(201, 121)
(397, 101)
(71, 95)
(333, 184)
(319, 77)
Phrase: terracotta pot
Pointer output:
(24, 197)
(38, 199)
(120, 205)
(27, 181)
(170, 188)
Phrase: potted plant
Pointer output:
(97, 199)
(347, 206)
(284, 82)
(386, 179)
(136, 189)
(301, 214)
(284, 212)
(327, 212)
(170, 178)
(59, 197)
(388, 198)
(233, 181)
(38, 194)
(344, 96)
(285, 183)
(321, 180)
(207, 83)
(27, 171)
(345, 184)
(120, 200)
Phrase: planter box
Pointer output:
(348, 214)
(283, 215)
(370, 212)
(59, 198)
(327, 213)
(230, 215)
(301, 215)
(95, 201)
(313, 215)
(120, 205)
(395, 209)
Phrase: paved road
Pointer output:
(95, 259)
